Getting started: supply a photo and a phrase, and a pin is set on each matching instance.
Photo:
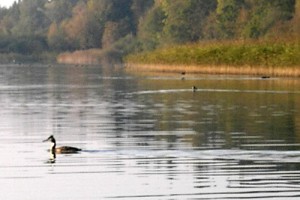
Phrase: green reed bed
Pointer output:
(262, 54)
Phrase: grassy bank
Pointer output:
(44, 57)
(257, 58)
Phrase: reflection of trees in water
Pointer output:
(217, 116)
(201, 119)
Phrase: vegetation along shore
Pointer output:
(252, 57)
(204, 36)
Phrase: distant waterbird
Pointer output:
(194, 88)
(182, 75)
(62, 149)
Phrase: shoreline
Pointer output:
(84, 57)
(88, 57)
(15, 58)
(258, 58)
(217, 69)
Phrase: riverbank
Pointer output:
(239, 58)
(43, 57)
(88, 57)
(218, 70)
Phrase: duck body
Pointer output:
(62, 149)
(66, 150)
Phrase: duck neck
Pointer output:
(53, 145)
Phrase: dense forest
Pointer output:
(128, 26)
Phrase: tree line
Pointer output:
(33, 26)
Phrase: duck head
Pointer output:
(53, 142)
(50, 139)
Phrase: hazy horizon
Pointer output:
(6, 3)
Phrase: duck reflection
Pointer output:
(52, 158)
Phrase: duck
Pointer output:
(62, 149)
(194, 88)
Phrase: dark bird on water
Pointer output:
(62, 149)
(194, 88)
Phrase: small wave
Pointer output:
(216, 90)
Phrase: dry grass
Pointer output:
(220, 69)
(89, 57)
(80, 57)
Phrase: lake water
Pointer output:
(147, 136)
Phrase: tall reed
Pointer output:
(260, 56)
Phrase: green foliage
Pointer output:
(23, 45)
(236, 54)
(56, 38)
(151, 27)
(32, 20)
(123, 47)
(184, 19)
(59, 10)
(141, 25)
(227, 16)
(139, 8)
(264, 14)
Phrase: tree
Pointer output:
(296, 19)
(150, 28)
(264, 15)
(139, 9)
(75, 26)
(59, 10)
(227, 15)
(32, 19)
(9, 19)
(140, 24)
(110, 20)
(114, 31)
(56, 38)
(185, 19)
(65, 33)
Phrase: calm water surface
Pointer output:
(147, 136)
